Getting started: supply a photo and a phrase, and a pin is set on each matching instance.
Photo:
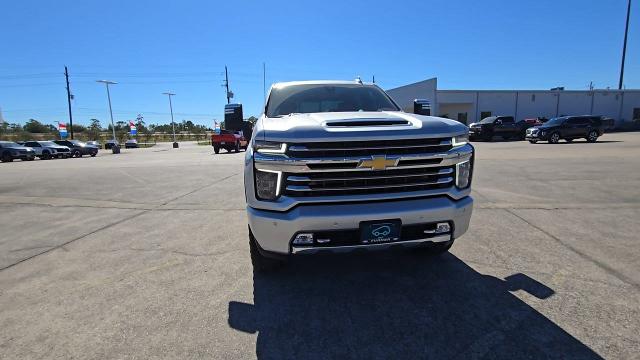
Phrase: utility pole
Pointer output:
(373, 79)
(624, 46)
(115, 148)
(69, 97)
(226, 81)
(173, 125)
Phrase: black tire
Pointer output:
(554, 138)
(6, 157)
(46, 155)
(93, 154)
(216, 149)
(533, 141)
(76, 153)
(31, 158)
(592, 136)
(568, 140)
(236, 148)
(261, 264)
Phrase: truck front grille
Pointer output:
(333, 183)
(366, 148)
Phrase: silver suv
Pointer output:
(336, 166)
(48, 149)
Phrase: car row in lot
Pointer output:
(534, 130)
(29, 150)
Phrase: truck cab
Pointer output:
(335, 166)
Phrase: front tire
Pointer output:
(237, 147)
(6, 157)
(76, 153)
(46, 155)
(216, 149)
(554, 138)
(592, 136)
(260, 263)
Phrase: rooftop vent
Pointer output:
(366, 122)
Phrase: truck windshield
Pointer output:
(488, 120)
(315, 98)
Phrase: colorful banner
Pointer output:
(133, 131)
(62, 129)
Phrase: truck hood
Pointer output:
(359, 125)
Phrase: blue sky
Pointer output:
(153, 46)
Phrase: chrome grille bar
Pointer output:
(303, 188)
(294, 178)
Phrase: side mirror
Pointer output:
(422, 107)
(498, 122)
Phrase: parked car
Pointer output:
(336, 166)
(503, 126)
(48, 149)
(567, 128)
(109, 144)
(78, 148)
(95, 143)
(131, 144)
(229, 140)
(10, 151)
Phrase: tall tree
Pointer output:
(94, 129)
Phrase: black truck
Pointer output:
(504, 126)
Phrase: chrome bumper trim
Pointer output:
(348, 248)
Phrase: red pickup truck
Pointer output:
(229, 140)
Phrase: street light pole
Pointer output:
(624, 46)
(173, 124)
(115, 148)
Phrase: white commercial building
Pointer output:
(469, 106)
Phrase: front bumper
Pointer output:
(274, 231)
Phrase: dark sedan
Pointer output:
(78, 148)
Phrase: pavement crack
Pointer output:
(608, 269)
(74, 239)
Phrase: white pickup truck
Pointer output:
(336, 166)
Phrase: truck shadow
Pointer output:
(398, 305)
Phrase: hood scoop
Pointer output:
(365, 122)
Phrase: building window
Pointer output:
(484, 114)
(636, 114)
(533, 97)
(462, 117)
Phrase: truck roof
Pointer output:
(318, 82)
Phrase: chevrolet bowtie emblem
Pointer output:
(378, 163)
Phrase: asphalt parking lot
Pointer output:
(145, 255)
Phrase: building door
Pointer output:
(462, 117)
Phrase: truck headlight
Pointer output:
(463, 174)
(267, 184)
(269, 147)
(460, 140)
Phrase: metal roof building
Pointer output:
(469, 106)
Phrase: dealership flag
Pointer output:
(132, 126)
(62, 129)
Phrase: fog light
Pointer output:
(303, 239)
(443, 228)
